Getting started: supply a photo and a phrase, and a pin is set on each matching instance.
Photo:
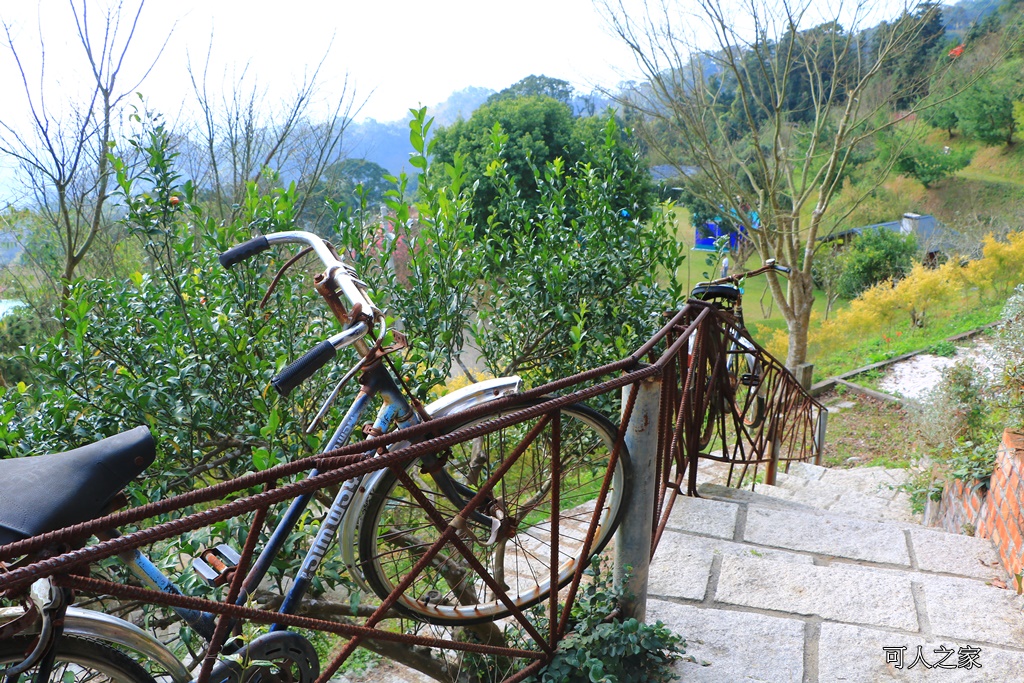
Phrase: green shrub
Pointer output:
(921, 488)
(604, 649)
(18, 329)
(1009, 346)
(876, 256)
(974, 462)
(944, 348)
(614, 652)
(930, 164)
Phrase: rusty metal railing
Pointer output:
(754, 420)
(728, 401)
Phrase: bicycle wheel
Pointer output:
(395, 531)
(78, 660)
(701, 402)
(746, 383)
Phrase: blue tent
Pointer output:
(704, 237)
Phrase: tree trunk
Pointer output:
(801, 294)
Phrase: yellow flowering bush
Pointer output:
(1001, 267)
(889, 309)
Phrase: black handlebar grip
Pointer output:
(242, 251)
(302, 369)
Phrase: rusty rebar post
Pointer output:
(633, 541)
(819, 441)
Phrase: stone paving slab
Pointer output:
(838, 593)
(679, 570)
(867, 479)
(826, 534)
(873, 508)
(838, 486)
(731, 495)
(837, 499)
(733, 646)
(819, 499)
(854, 654)
(938, 551)
(966, 609)
(703, 516)
(682, 566)
(806, 470)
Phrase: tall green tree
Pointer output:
(536, 86)
(344, 185)
(943, 114)
(930, 164)
(913, 67)
(874, 257)
(985, 110)
(749, 144)
(540, 129)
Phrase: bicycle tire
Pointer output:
(701, 400)
(78, 659)
(448, 592)
(746, 380)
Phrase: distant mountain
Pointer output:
(387, 143)
(959, 17)
(460, 105)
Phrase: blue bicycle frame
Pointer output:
(396, 410)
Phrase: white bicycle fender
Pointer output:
(109, 629)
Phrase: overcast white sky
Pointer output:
(397, 54)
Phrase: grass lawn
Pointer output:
(763, 316)
(901, 339)
(758, 305)
(865, 432)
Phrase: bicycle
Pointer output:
(746, 389)
(381, 524)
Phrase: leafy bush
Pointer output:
(955, 410)
(999, 270)
(181, 346)
(1009, 346)
(944, 348)
(974, 462)
(601, 649)
(922, 487)
(568, 280)
(614, 652)
(19, 328)
(876, 256)
(930, 164)
(580, 277)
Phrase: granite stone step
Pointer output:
(886, 504)
(767, 589)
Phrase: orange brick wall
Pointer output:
(996, 512)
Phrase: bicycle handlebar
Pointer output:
(770, 264)
(242, 251)
(344, 281)
(342, 275)
(314, 359)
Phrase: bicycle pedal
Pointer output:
(750, 380)
(215, 565)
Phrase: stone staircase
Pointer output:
(826, 577)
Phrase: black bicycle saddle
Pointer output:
(705, 292)
(45, 492)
